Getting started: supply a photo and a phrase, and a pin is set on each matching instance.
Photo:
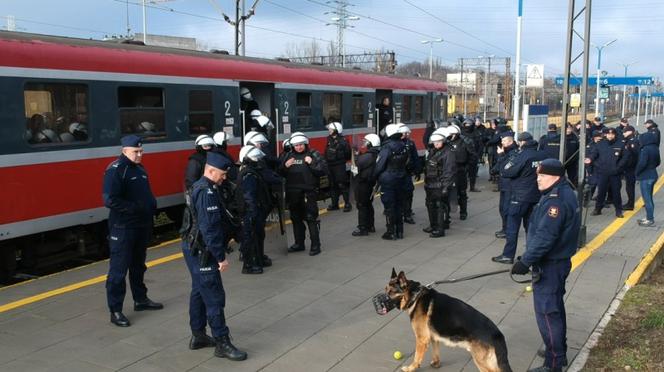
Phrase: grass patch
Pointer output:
(654, 319)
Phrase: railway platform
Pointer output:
(314, 313)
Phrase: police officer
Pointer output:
(609, 159)
(632, 146)
(492, 144)
(385, 113)
(465, 156)
(473, 138)
(196, 162)
(132, 206)
(392, 176)
(591, 176)
(414, 169)
(302, 169)
(572, 155)
(204, 252)
(261, 141)
(257, 204)
(523, 195)
(248, 105)
(551, 241)
(505, 153)
(621, 126)
(221, 147)
(549, 143)
(337, 153)
(439, 174)
(366, 163)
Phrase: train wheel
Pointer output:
(7, 263)
(175, 215)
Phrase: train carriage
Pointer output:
(65, 103)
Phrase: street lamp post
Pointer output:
(430, 42)
(599, 63)
(486, 82)
(625, 65)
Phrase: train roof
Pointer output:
(24, 50)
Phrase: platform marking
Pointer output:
(636, 275)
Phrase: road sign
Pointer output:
(604, 93)
(534, 76)
(575, 100)
(611, 80)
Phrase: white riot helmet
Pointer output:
(255, 138)
(204, 140)
(403, 128)
(453, 129)
(245, 93)
(220, 138)
(336, 126)
(146, 127)
(47, 136)
(372, 139)
(391, 129)
(298, 138)
(252, 153)
(264, 122)
(439, 134)
(77, 127)
(255, 113)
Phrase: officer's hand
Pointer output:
(289, 162)
(308, 159)
(520, 268)
(223, 265)
(500, 150)
(587, 161)
(418, 177)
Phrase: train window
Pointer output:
(142, 111)
(303, 106)
(56, 113)
(358, 110)
(331, 107)
(201, 115)
(419, 108)
(405, 109)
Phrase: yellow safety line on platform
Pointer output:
(584, 253)
(636, 275)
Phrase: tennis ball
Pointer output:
(397, 355)
(529, 288)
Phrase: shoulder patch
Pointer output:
(553, 212)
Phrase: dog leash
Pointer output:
(535, 277)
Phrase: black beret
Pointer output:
(218, 161)
(524, 136)
(552, 167)
(131, 140)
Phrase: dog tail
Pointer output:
(501, 353)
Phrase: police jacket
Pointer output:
(593, 127)
(488, 144)
(649, 160)
(571, 148)
(521, 171)
(653, 128)
(553, 229)
(300, 175)
(414, 163)
(549, 144)
(194, 169)
(210, 217)
(494, 140)
(475, 137)
(255, 190)
(632, 146)
(439, 168)
(366, 163)
(127, 194)
(609, 158)
(391, 162)
(464, 151)
(337, 151)
(508, 154)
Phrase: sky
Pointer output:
(469, 28)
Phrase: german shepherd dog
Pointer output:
(437, 317)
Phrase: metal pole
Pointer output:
(145, 26)
(622, 114)
(599, 60)
(237, 27)
(431, 60)
(242, 50)
(515, 107)
(645, 117)
(486, 82)
(638, 108)
(584, 110)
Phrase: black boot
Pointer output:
(389, 225)
(463, 209)
(298, 231)
(314, 235)
(347, 205)
(225, 349)
(200, 340)
(334, 201)
(360, 231)
(439, 227)
(250, 264)
(398, 228)
(433, 215)
(263, 259)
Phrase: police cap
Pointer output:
(597, 133)
(507, 133)
(131, 140)
(552, 167)
(218, 161)
(524, 136)
(553, 127)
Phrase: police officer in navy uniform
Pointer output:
(472, 137)
(366, 163)
(128, 195)
(505, 153)
(302, 168)
(552, 240)
(392, 176)
(523, 195)
(633, 147)
(439, 175)
(196, 162)
(609, 159)
(414, 169)
(572, 154)
(205, 255)
(465, 156)
(337, 153)
(549, 143)
(385, 113)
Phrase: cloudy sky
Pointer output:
(470, 28)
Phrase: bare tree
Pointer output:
(303, 49)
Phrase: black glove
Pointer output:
(418, 177)
(520, 268)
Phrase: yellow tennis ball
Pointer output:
(529, 289)
(397, 355)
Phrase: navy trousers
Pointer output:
(127, 248)
(548, 299)
(630, 185)
(503, 204)
(606, 183)
(517, 212)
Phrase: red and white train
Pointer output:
(65, 103)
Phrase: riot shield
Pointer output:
(276, 234)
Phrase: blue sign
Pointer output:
(612, 80)
(653, 94)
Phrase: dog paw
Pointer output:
(410, 368)
(435, 364)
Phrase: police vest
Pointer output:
(299, 174)
(398, 160)
(263, 194)
(460, 153)
(335, 152)
(433, 169)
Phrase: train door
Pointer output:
(384, 109)
(256, 96)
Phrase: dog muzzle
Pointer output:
(383, 303)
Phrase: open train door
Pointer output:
(382, 116)
(260, 97)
